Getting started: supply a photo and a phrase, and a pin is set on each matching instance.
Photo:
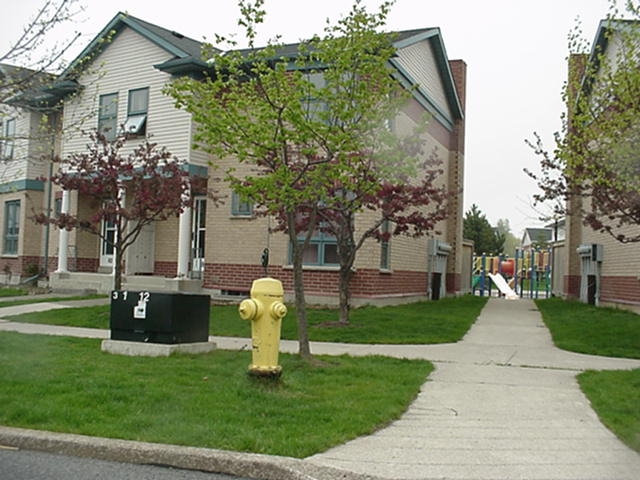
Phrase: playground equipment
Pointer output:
(526, 275)
(503, 287)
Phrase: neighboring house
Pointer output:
(26, 146)
(217, 248)
(536, 238)
(558, 229)
(592, 266)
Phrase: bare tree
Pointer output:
(32, 58)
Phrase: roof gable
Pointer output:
(536, 235)
(405, 40)
(448, 113)
(182, 48)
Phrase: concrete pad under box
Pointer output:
(140, 349)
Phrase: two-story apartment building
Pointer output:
(26, 146)
(590, 265)
(118, 80)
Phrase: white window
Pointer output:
(198, 236)
(108, 116)
(137, 112)
(11, 227)
(240, 207)
(8, 142)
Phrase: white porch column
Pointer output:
(184, 243)
(63, 242)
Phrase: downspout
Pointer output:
(47, 227)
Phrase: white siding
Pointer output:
(32, 145)
(16, 167)
(419, 61)
(127, 63)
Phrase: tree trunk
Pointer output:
(344, 288)
(298, 288)
(301, 307)
(117, 268)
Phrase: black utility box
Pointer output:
(156, 317)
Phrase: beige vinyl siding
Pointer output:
(419, 61)
(127, 64)
(40, 146)
(618, 259)
(31, 147)
(16, 167)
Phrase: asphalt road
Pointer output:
(28, 465)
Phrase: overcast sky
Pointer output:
(515, 52)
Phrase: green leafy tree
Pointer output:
(477, 228)
(594, 169)
(310, 124)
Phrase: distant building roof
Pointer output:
(536, 235)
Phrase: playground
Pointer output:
(527, 275)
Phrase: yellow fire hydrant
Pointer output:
(265, 309)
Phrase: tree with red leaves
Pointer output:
(134, 190)
(400, 206)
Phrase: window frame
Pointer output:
(136, 123)
(320, 241)
(108, 122)
(8, 142)
(198, 235)
(11, 234)
(239, 207)
(385, 247)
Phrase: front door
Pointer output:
(141, 254)
(198, 235)
(106, 244)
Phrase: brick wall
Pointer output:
(620, 289)
(366, 283)
(165, 269)
(572, 286)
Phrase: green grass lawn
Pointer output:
(12, 292)
(68, 385)
(45, 299)
(614, 395)
(446, 320)
(583, 328)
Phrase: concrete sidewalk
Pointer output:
(502, 404)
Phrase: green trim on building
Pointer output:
(22, 185)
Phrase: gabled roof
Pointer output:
(434, 36)
(185, 50)
(187, 56)
(538, 234)
(25, 87)
(605, 28)
(601, 42)
(403, 39)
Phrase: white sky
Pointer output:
(515, 52)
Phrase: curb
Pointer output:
(248, 465)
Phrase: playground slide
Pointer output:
(501, 283)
